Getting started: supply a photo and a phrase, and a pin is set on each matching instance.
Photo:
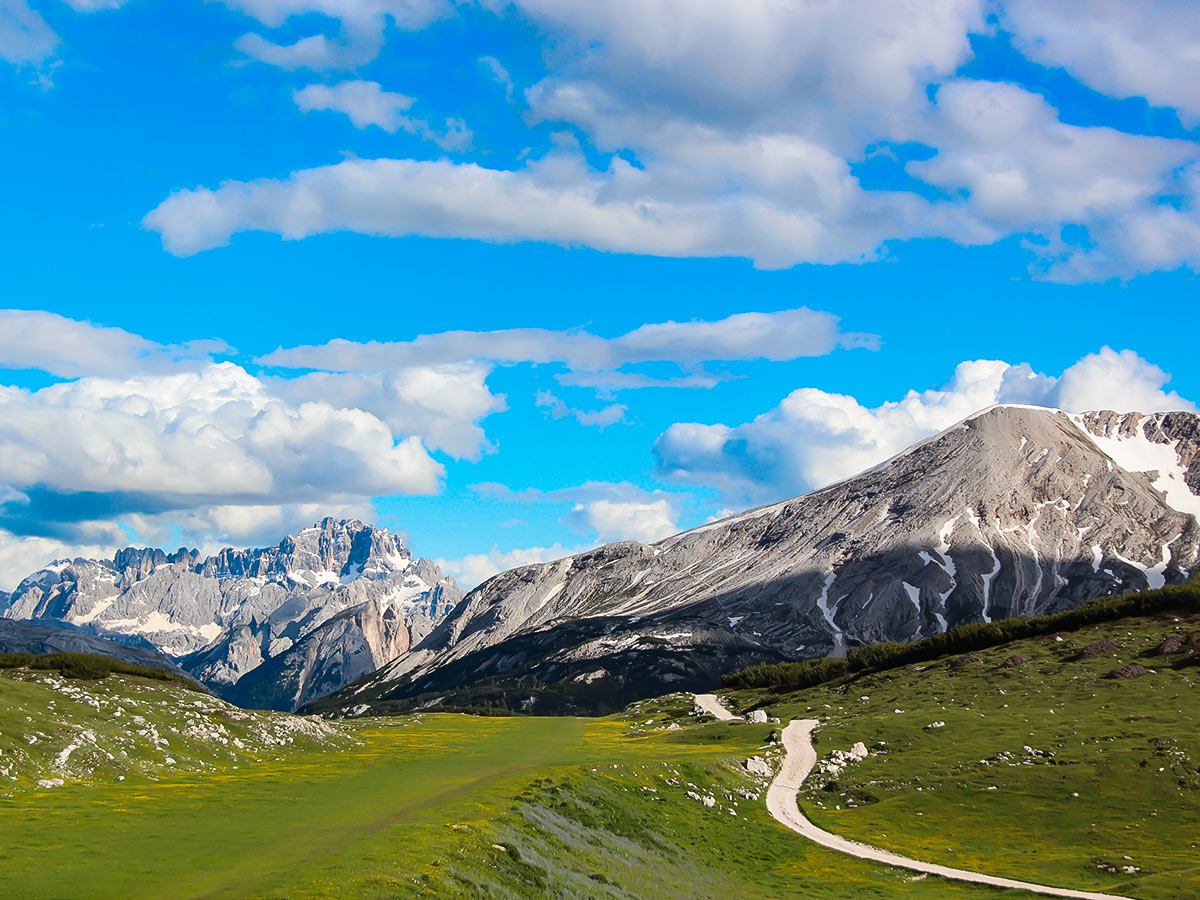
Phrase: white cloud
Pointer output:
(444, 404)
(95, 5)
(362, 24)
(609, 511)
(1123, 49)
(744, 121)
(34, 339)
(100, 448)
(599, 418)
(809, 209)
(787, 334)
(212, 528)
(313, 52)
(837, 73)
(1111, 380)
(814, 438)
(613, 520)
(25, 38)
(476, 568)
(366, 103)
(499, 74)
(20, 556)
(608, 383)
(401, 13)
(1024, 169)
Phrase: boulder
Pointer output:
(1133, 670)
(1172, 644)
(1099, 648)
(757, 717)
(757, 766)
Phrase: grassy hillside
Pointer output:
(420, 806)
(69, 721)
(646, 804)
(1046, 769)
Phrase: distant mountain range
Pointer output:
(1015, 511)
(272, 627)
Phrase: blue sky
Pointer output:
(974, 202)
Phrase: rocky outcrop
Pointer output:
(1015, 511)
(343, 596)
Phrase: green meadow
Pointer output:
(1113, 782)
(456, 806)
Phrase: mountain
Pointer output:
(323, 607)
(1015, 511)
(25, 637)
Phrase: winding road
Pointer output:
(782, 803)
(711, 705)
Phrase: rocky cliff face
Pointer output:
(1016, 511)
(353, 592)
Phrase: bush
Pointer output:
(964, 639)
(86, 665)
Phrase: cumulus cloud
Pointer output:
(365, 102)
(1110, 380)
(211, 528)
(1024, 169)
(609, 511)
(34, 339)
(100, 448)
(814, 438)
(616, 520)
(442, 403)
(744, 122)
(1123, 49)
(21, 555)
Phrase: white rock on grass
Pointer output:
(756, 765)
(50, 783)
(757, 717)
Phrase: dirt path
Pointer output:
(710, 704)
(783, 805)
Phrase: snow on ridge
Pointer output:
(1137, 453)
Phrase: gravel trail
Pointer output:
(783, 805)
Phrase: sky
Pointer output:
(516, 278)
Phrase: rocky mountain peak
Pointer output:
(1014, 511)
(324, 605)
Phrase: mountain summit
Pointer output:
(323, 607)
(1015, 511)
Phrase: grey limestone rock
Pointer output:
(1015, 511)
(324, 606)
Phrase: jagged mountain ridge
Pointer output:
(1015, 511)
(226, 615)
